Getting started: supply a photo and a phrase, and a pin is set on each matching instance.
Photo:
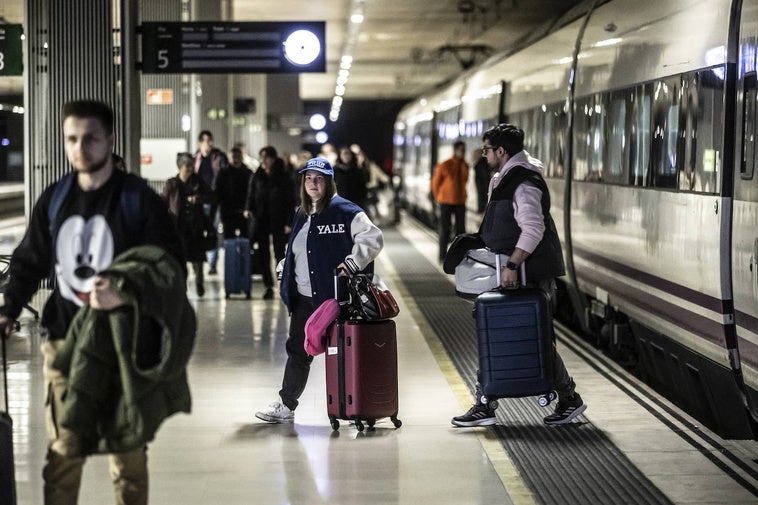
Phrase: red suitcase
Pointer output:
(361, 372)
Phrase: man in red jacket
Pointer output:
(449, 190)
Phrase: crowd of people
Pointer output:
(213, 190)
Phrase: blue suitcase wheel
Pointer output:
(544, 400)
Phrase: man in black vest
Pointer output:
(517, 222)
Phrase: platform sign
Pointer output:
(11, 54)
(226, 47)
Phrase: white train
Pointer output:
(645, 114)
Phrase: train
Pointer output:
(645, 116)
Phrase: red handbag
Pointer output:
(369, 301)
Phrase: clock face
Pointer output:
(302, 47)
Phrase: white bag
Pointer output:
(478, 272)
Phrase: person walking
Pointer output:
(231, 193)
(449, 191)
(328, 232)
(77, 227)
(351, 179)
(185, 195)
(208, 163)
(270, 204)
(517, 223)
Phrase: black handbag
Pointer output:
(369, 301)
(461, 244)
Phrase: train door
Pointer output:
(744, 254)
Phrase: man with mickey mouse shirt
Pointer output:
(101, 213)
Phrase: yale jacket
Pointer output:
(336, 235)
(126, 367)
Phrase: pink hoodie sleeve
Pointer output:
(527, 210)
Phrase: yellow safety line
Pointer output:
(514, 485)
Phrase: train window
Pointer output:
(582, 138)
(617, 147)
(707, 135)
(747, 167)
(588, 141)
(666, 145)
(639, 140)
(553, 140)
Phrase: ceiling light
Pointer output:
(356, 18)
(339, 90)
(302, 47)
(317, 121)
(322, 137)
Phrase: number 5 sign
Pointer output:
(11, 56)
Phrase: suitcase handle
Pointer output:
(5, 367)
(522, 270)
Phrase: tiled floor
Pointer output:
(221, 454)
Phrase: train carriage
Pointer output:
(644, 115)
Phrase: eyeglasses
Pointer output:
(486, 148)
(315, 179)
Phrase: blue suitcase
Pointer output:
(516, 344)
(237, 266)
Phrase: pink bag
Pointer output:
(317, 326)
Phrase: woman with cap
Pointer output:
(328, 233)
(185, 194)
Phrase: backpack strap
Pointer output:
(131, 204)
(60, 192)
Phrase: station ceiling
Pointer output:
(400, 49)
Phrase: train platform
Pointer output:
(630, 446)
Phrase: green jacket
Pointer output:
(126, 367)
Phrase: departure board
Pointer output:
(225, 47)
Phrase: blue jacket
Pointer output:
(330, 242)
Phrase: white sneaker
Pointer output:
(278, 413)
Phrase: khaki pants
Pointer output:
(63, 475)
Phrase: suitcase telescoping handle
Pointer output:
(522, 270)
(5, 367)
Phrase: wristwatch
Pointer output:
(511, 265)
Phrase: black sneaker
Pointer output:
(200, 290)
(566, 410)
(478, 415)
(269, 294)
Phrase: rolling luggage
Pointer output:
(237, 266)
(361, 372)
(7, 469)
(516, 345)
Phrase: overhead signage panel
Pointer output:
(224, 48)
(11, 53)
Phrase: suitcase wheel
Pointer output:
(397, 422)
(370, 422)
(227, 296)
(335, 424)
(358, 425)
(247, 294)
(545, 400)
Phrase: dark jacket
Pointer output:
(351, 182)
(126, 367)
(190, 219)
(500, 231)
(271, 198)
(97, 218)
(231, 191)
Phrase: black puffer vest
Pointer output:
(501, 232)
